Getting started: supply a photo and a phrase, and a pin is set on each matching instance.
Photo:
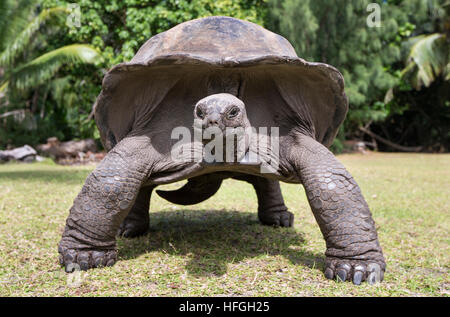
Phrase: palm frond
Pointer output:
(3, 87)
(44, 67)
(5, 11)
(21, 41)
(427, 60)
(15, 15)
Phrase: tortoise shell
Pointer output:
(310, 94)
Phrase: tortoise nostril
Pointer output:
(212, 122)
(212, 119)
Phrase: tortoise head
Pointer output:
(221, 110)
(224, 124)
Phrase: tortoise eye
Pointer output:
(233, 112)
(199, 113)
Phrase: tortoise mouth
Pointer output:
(227, 145)
(223, 159)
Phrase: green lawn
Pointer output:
(218, 248)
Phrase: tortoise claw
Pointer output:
(358, 277)
(74, 260)
(356, 271)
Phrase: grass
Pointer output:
(217, 248)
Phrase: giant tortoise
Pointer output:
(233, 77)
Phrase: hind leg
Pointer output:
(271, 208)
(136, 223)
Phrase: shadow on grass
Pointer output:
(66, 176)
(214, 238)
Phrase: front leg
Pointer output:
(353, 252)
(103, 203)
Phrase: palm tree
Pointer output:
(428, 57)
(419, 113)
(18, 25)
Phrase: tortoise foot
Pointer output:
(73, 259)
(277, 219)
(356, 271)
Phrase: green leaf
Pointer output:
(14, 17)
(44, 67)
(8, 55)
(427, 60)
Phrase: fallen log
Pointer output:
(70, 149)
(392, 144)
(25, 153)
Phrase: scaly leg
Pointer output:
(103, 203)
(353, 252)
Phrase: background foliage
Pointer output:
(383, 96)
(29, 69)
(372, 60)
